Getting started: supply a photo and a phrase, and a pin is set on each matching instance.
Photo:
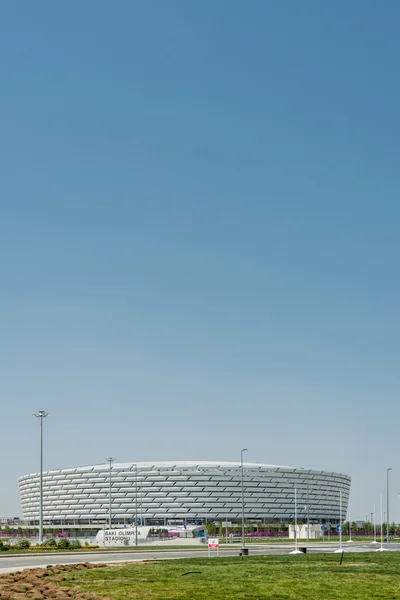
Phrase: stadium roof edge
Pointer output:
(180, 463)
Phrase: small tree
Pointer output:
(63, 543)
(23, 543)
(299, 526)
(211, 528)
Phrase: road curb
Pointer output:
(99, 552)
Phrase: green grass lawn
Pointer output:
(299, 577)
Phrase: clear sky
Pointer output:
(199, 235)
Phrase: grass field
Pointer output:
(301, 577)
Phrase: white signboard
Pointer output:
(213, 544)
(121, 537)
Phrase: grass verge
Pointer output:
(301, 577)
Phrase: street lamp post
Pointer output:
(295, 521)
(41, 414)
(308, 517)
(387, 500)
(136, 504)
(341, 526)
(296, 549)
(349, 515)
(141, 504)
(110, 460)
(382, 549)
(241, 461)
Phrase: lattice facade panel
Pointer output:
(179, 490)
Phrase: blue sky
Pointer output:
(199, 247)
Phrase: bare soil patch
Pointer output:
(43, 584)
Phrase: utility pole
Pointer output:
(110, 460)
(41, 414)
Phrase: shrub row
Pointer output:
(24, 544)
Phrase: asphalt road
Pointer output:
(15, 563)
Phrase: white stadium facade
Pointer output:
(167, 492)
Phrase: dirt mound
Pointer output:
(43, 584)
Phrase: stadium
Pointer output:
(176, 492)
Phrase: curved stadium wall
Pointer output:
(183, 490)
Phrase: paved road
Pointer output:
(13, 563)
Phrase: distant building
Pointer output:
(9, 520)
